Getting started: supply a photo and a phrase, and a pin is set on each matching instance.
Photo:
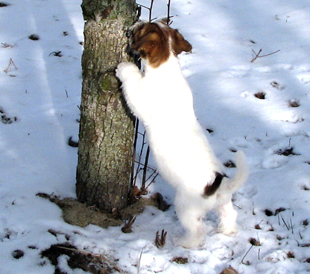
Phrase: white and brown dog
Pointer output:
(162, 99)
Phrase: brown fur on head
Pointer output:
(155, 42)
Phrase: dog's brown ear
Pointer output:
(179, 44)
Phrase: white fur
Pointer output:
(161, 98)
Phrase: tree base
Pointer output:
(79, 214)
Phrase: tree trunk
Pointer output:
(106, 128)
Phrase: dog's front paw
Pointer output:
(125, 70)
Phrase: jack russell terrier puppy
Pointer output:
(162, 99)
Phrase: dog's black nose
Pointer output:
(131, 52)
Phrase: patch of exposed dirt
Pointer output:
(76, 213)
(79, 259)
(5, 118)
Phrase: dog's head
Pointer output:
(156, 41)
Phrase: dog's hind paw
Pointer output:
(188, 242)
(229, 231)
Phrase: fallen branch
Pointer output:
(258, 54)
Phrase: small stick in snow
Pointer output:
(247, 262)
(6, 45)
(160, 241)
(257, 55)
(127, 228)
(11, 63)
(139, 262)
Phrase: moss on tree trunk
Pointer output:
(106, 128)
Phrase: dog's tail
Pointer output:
(231, 185)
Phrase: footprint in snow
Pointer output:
(248, 191)
(277, 85)
(304, 78)
(274, 161)
(5, 118)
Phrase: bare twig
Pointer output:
(139, 262)
(292, 226)
(150, 10)
(127, 228)
(132, 182)
(151, 7)
(168, 13)
(288, 225)
(301, 237)
(142, 166)
(258, 54)
(153, 180)
(247, 262)
(145, 168)
(11, 63)
(149, 167)
(6, 45)
(139, 159)
(160, 240)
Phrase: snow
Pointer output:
(40, 95)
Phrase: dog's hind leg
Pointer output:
(190, 214)
(228, 216)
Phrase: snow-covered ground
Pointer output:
(261, 107)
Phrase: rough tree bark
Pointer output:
(106, 128)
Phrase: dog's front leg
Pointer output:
(130, 76)
(127, 71)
